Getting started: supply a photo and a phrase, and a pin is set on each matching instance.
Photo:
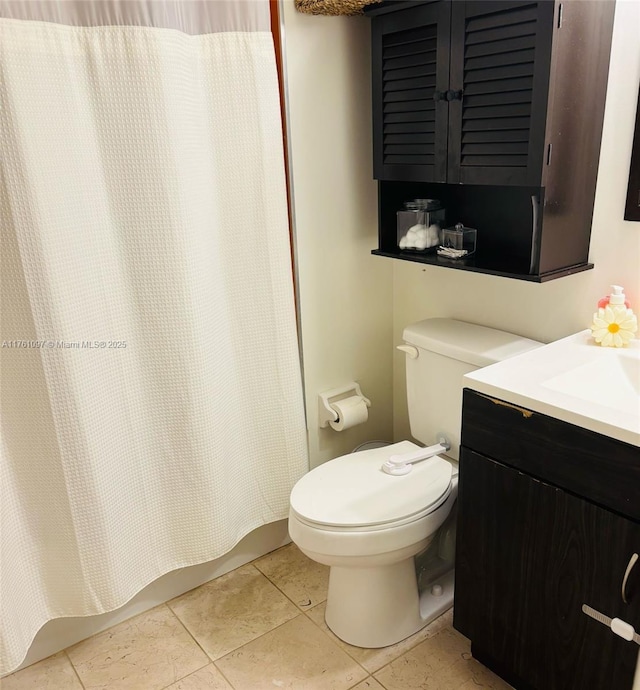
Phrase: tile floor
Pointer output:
(256, 628)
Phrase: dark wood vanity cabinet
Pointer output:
(494, 107)
(533, 546)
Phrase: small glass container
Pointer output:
(458, 242)
(419, 225)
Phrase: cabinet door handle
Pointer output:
(627, 572)
(439, 95)
(452, 95)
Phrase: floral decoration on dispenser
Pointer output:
(614, 324)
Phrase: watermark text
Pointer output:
(64, 344)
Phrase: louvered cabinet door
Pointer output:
(500, 61)
(410, 54)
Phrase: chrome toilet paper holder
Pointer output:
(326, 413)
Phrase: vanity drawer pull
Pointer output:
(627, 572)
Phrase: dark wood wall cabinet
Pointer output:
(495, 107)
(548, 522)
(632, 206)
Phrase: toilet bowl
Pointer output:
(368, 526)
(374, 529)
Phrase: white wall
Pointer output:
(345, 293)
(551, 310)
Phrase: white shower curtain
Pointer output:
(151, 397)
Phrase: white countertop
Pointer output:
(574, 380)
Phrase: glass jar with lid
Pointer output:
(419, 225)
(458, 242)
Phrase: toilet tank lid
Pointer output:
(466, 342)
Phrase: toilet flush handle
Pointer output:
(412, 351)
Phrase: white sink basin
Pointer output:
(575, 380)
(612, 380)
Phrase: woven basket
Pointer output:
(333, 7)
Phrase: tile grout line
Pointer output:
(221, 672)
(410, 649)
(174, 615)
(301, 610)
(213, 661)
(370, 676)
(256, 638)
(304, 613)
(96, 634)
(75, 670)
(369, 673)
(298, 615)
(406, 651)
(329, 634)
(388, 663)
(209, 659)
(337, 646)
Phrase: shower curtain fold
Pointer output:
(152, 405)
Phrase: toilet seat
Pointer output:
(352, 493)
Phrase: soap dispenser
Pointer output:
(614, 324)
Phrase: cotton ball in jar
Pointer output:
(433, 235)
(412, 238)
(421, 243)
(408, 240)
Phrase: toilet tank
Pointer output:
(446, 351)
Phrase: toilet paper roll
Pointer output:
(351, 411)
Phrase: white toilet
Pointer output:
(369, 525)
